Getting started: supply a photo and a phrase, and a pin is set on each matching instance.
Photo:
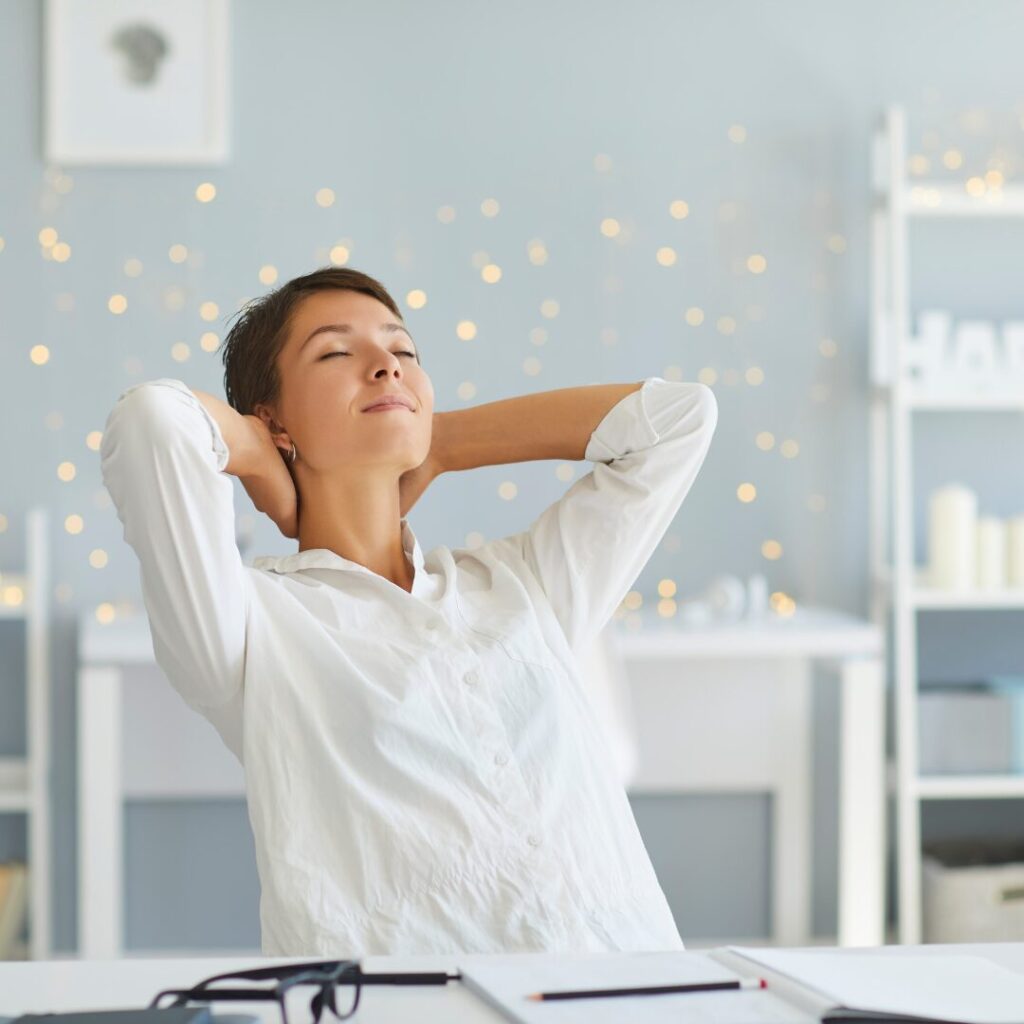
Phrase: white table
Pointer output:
(725, 707)
(60, 985)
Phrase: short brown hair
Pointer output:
(252, 345)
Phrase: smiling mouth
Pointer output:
(391, 406)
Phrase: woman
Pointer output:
(424, 771)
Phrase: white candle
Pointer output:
(952, 538)
(1015, 552)
(991, 554)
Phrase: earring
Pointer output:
(292, 454)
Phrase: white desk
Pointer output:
(725, 707)
(59, 985)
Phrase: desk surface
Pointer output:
(57, 985)
(807, 633)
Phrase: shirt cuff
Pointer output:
(632, 423)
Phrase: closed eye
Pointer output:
(327, 355)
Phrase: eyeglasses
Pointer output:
(316, 980)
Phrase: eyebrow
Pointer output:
(389, 328)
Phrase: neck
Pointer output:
(358, 518)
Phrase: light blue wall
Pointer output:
(403, 108)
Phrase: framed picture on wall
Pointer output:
(135, 82)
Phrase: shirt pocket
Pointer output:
(512, 629)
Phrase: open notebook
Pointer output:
(868, 985)
(803, 986)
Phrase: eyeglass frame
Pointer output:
(325, 973)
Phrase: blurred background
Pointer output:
(556, 195)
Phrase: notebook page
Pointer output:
(954, 987)
(504, 982)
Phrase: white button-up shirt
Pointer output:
(425, 772)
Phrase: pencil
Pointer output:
(650, 990)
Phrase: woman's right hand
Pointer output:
(268, 479)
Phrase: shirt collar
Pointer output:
(324, 558)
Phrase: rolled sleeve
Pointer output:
(162, 459)
(588, 548)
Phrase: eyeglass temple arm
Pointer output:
(413, 978)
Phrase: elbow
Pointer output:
(706, 409)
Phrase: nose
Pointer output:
(395, 366)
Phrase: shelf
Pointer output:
(969, 787)
(965, 403)
(900, 202)
(944, 199)
(927, 599)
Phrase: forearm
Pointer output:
(548, 425)
(236, 431)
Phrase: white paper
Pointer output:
(505, 983)
(940, 986)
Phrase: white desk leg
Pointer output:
(100, 849)
(792, 837)
(862, 803)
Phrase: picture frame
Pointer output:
(136, 82)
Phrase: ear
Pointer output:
(278, 434)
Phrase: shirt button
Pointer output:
(501, 758)
(533, 840)
(471, 677)
(430, 626)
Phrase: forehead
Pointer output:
(337, 306)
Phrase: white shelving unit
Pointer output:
(899, 593)
(25, 781)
